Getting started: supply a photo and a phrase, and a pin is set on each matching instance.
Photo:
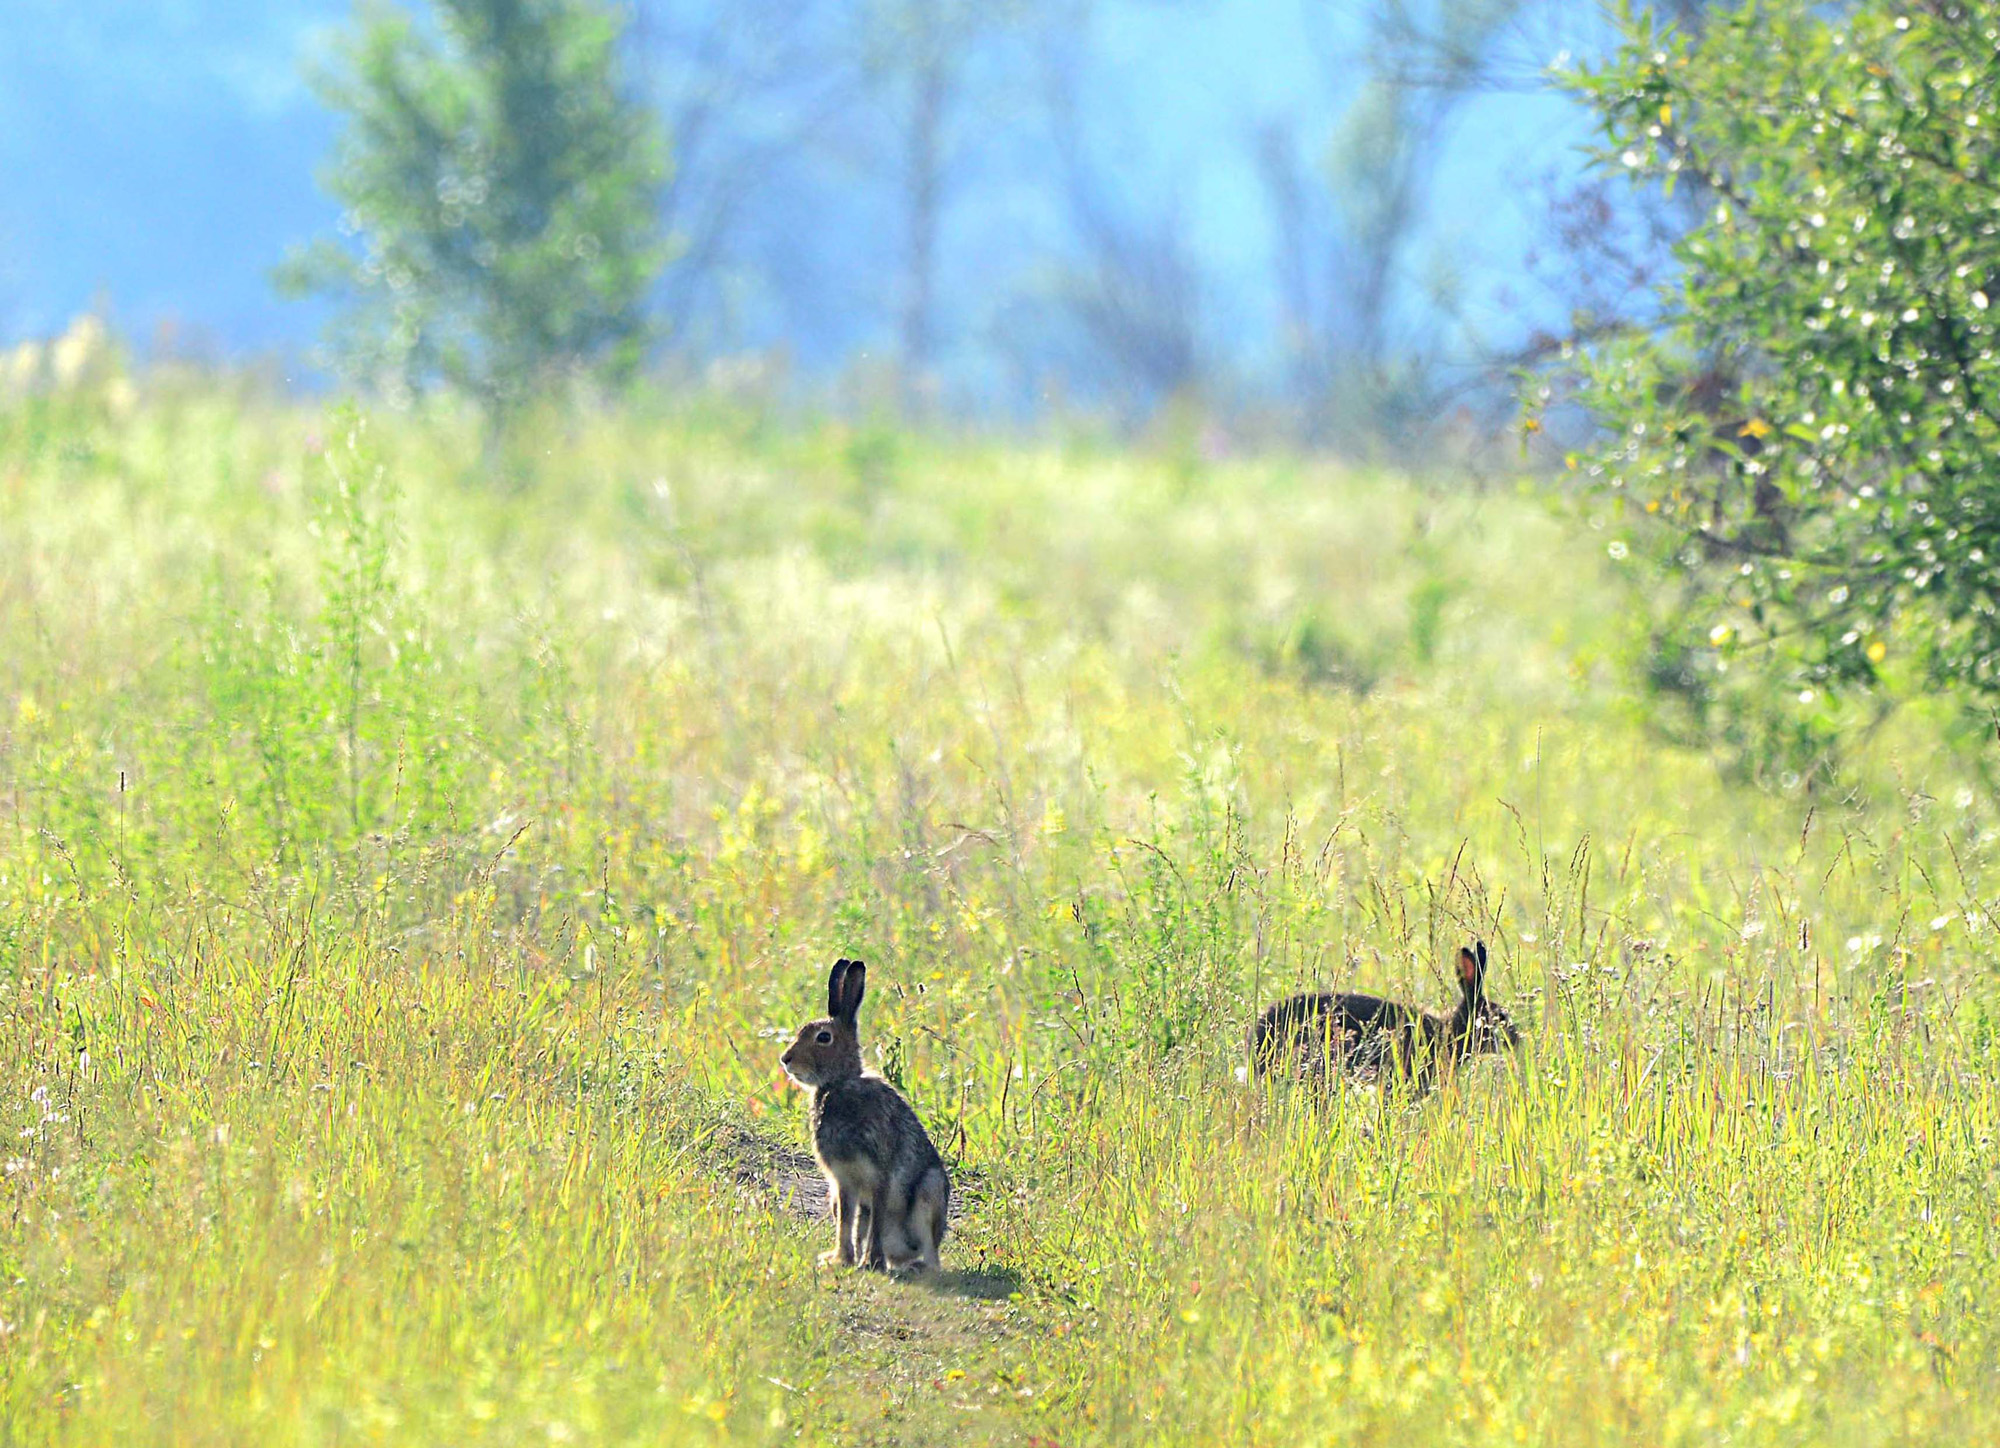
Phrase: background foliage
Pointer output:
(501, 184)
(1803, 444)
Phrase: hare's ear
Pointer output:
(833, 985)
(1471, 969)
(853, 981)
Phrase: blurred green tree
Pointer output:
(499, 187)
(1804, 443)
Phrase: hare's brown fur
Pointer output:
(890, 1193)
(1321, 1031)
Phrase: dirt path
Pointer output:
(938, 1360)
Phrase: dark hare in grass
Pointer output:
(1314, 1035)
(888, 1185)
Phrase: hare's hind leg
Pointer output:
(937, 1211)
(925, 1226)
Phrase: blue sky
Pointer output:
(157, 157)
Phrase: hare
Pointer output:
(888, 1185)
(1362, 1034)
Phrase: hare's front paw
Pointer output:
(835, 1258)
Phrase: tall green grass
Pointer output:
(406, 877)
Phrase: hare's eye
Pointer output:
(823, 1037)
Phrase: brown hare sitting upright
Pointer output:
(1315, 1034)
(888, 1184)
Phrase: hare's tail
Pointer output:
(1257, 1041)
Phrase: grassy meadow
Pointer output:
(411, 864)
